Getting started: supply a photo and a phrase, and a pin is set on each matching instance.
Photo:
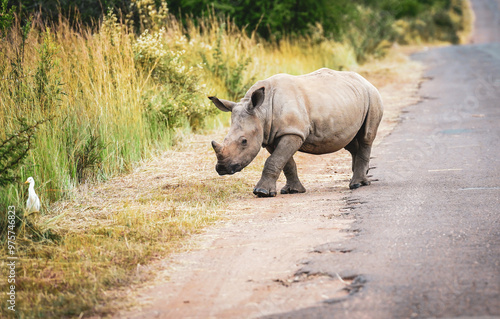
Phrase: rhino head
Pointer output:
(244, 140)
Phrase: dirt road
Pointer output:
(422, 241)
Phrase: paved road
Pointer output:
(429, 229)
(487, 24)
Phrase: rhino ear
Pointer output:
(258, 97)
(223, 105)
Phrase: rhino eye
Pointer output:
(244, 142)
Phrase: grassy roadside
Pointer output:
(107, 98)
(91, 240)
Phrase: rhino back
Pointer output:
(326, 108)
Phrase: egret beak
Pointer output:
(26, 182)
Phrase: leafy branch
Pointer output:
(14, 149)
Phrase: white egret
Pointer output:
(33, 203)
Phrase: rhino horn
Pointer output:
(223, 105)
(217, 147)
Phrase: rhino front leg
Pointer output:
(280, 156)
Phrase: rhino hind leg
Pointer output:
(280, 156)
(360, 163)
(293, 184)
(352, 147)
(361, 146)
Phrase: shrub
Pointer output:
(370, 33)
(176, 94)
(229, 69)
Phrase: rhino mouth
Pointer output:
(228, 169)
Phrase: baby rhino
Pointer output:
(317, 113)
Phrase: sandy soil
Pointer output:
(247, 265)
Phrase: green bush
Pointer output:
(175, 98)
(371, 33)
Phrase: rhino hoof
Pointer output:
(358, 185)
(291, 191)
(355, 186)
(261, 192)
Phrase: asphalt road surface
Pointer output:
(428, 243)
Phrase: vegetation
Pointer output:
(354, 21)
(82, 101)
(430, 19)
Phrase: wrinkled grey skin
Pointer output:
(317, 113)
